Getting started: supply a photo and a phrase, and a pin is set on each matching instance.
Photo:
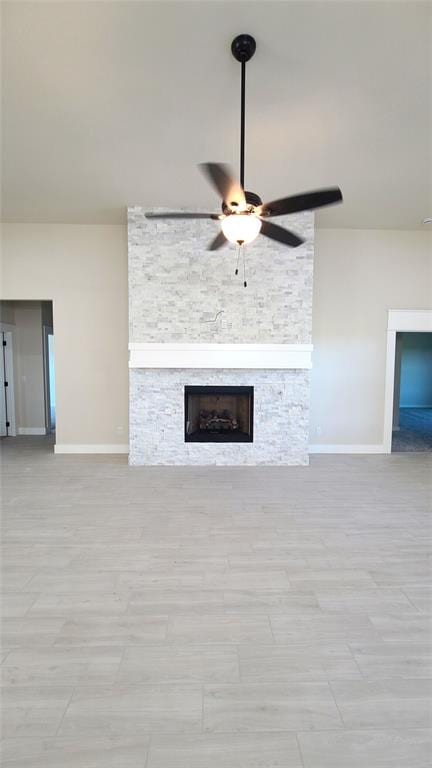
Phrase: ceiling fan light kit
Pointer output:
(244, 216)
(241, 228)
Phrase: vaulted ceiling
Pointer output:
(107, 104)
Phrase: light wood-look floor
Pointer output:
(216, 617)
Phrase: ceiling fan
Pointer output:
(244, 216)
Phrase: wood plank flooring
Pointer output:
(215, 617)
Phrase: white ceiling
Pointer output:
(109, 104)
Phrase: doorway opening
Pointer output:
(412, 405)
(408, 381)
(27, 370)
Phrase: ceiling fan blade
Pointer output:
(306, 201)
(222, 178)
(274, 232)
(218, 242)
(181, 215)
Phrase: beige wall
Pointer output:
(83, 269)
(359, 275)
(7, 312)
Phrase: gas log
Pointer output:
(217, 421)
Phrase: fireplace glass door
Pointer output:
(219, 414)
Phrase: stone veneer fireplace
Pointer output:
(194, 326)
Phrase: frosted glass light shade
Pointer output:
(241, 227)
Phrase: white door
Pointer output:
(3, 411)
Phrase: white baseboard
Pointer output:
(90, 448)
(32, 431)
(340, 448)
(119, 448)
(417, 407)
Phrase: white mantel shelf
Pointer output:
(252, 356)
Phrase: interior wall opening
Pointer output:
(27, 371)
(412, 405)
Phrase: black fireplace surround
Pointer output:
(218, 414)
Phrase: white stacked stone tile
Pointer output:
(281, 410)
(179, 292)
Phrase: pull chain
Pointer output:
(238, 259)
(241, 254)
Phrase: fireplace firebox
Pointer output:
(219, 414)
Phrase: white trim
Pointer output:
(235, 356)
(410, 320)
(47, 330)
(389, 390)
(340, 448)
(417, 407)
(32, 431)
(399, 320)
(90, 448)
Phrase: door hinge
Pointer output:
(4, 343)
(8, 423)
(6, 383)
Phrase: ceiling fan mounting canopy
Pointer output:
(251, 200)
(244, 216)
(243, 47)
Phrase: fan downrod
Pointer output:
(243, 47)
